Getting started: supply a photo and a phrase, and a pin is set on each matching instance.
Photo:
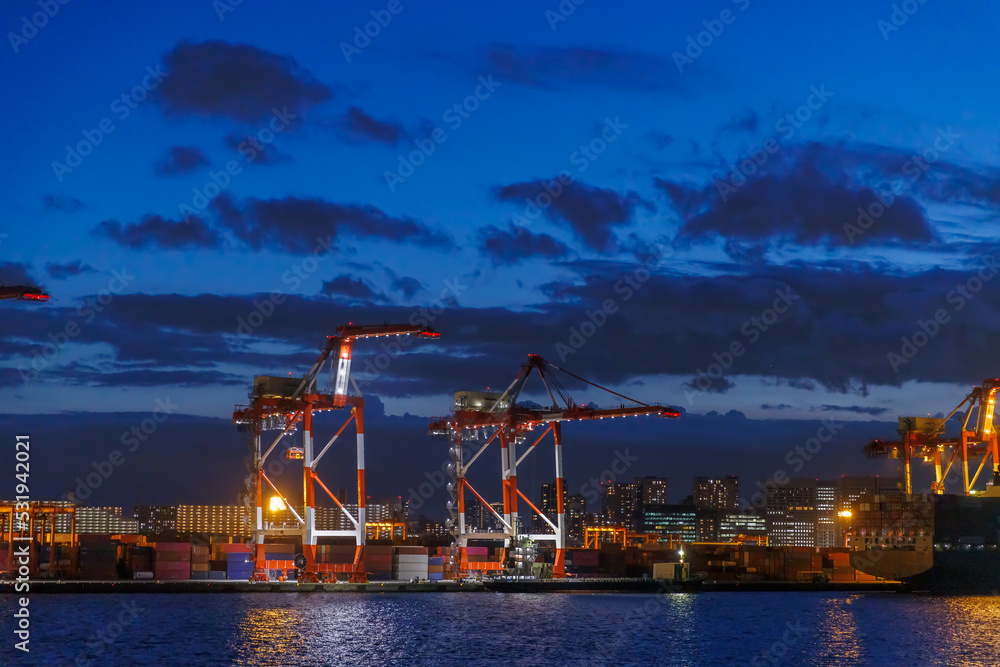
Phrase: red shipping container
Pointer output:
(172, 546)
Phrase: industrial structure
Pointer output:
(23, 292)
(923, 437)
(280, 404)
(489, 417)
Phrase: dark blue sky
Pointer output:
(633, 114)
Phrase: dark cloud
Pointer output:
(155, 231)
(718, 385)
(297, 225)
(357, 126)
(837, 332)
(355, 289)
(181, 160)
(14, 273)
(800, 199)
(516, 244)
(543, 67)
(778, 406)
(857, 409)
(61, 204)
(660, 140)
(748, 122)
(590, 212)
(408, 286)
(63, 271)
(236, 81)
(255, 152)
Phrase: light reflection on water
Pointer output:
(493, 629)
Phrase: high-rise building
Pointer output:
(651, 491)
(714, 497)
(734, 525)
(619, 504)
(717, 493)
(576, 511)
(213, 519)
(791, 513)
(678, 520)
(99, 520)
(549, 506)
(155, 519)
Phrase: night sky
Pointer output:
(766, 214)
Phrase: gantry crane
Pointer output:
(921, 436)
(281, 403)
(481, 415)
(23, 292)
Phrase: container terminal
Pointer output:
(303, 557)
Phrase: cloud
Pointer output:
(408, 286)
(240, 82)
(296, 225)
(748, 122)
(155, 231)
(357, 126)
(554, 68)
(181, 160)
(777, 406)
(15, 273)
(61, 204)
(857, 409)
(590, 212)
(516, 244)
(355, 289)
(802, 199)
(660, 140)
(254, 151)
(63, 271)
(719, 385)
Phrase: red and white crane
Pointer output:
(281, 403)
(498, 417)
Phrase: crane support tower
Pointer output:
(922, 437)
(497, 417)
(280, 404)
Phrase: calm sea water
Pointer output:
(511, 629)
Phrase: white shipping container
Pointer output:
(403, 558)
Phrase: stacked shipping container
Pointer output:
(173, 560)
